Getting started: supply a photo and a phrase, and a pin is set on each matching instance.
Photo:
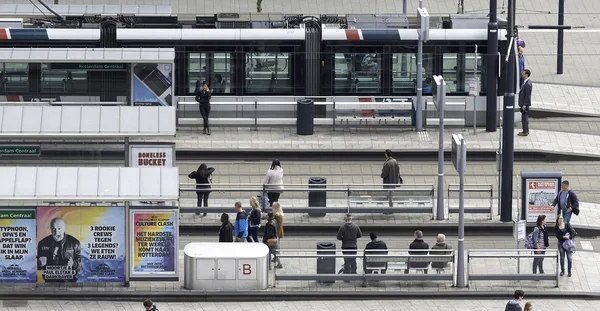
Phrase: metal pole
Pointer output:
(440, 192)
(404, 7)
(419, 117)
(561, 35)
(499, 167)
(461, 216)
(127, 222)
(491, 114)
(508, 139)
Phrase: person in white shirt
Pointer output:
(274, 182)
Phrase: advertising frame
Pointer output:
(530, 179)
(135, 148)
(31, 277)
(153, 275)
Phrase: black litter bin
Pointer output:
(317, 198)
(305, 118)
(325, 265)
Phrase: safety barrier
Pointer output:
(346, 198)
(478, 192)
(397, 261)
(513, 254)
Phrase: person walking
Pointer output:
(226, 231)
(203, 177)
(270, 237)
(564, 232)
(274, 182)
(515, 304)
(390, 173)
(240, 230)
(278, 215)
(525, 101)
(203, 97)
(349, 233)
(254, 221)
(528, 306)
(149, 305)
(567, 202)
(540, 242)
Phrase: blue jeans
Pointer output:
(562, 252)
(567, 215)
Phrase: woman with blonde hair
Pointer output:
(528, 306)
(254, 221)
(278, 215)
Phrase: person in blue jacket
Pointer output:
(241, 223)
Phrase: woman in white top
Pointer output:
(274, 182)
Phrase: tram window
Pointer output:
(70, 81)
(404, 73)
(214, 68)
(357, 72)
(268, 73)
(459, 68)
(14, 78)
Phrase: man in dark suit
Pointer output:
(525, 101)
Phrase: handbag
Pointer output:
(272, 242)
(569, 245)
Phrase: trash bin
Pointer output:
(317, 198)
(305, 116)
(325, 265)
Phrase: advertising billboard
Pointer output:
(80, 244)
(17, 255)
(540, 193)
(152, 84)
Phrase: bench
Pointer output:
(395, 112)
(402, 262)
(420, 200)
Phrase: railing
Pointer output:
(346, 198)
(323, 266)
(500, 255)
(474, 192)
(59, 103)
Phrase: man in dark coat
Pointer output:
(391, 171)
(423, 249)
(525, 101)
(226, 231)
(376, 247)
(348, 233)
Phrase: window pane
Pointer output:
(221, 82)
(63, 81)
(215, 68)
(268, 73)
(459, 68)
(14, 77)
(357, 72)
(196, 70)
(404, 73)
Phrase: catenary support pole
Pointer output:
(561, 37)
(461, 216)
(419, 116)
(508, 137)
(491, 114)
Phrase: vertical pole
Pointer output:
(491, 113)
(499, 166)
(508, 139)
(561, 35)
(404, 7)
(127, 222)
(461, 216)
(440, 192)
(419, 119)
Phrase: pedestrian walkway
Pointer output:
(578, 100)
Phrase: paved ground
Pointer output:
(407, 305)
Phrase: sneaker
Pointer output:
(562, 273)
(569, 274)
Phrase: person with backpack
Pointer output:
(540, 242)
(254, 221)
(567, 201)
(203, 177)
(564, 232)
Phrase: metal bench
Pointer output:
(402, 262)
(402, 200)
(396, 112)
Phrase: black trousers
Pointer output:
(205, 112)
(349, 262)
(252, 234)
(525, 120)
(273, 197)
(202, 198)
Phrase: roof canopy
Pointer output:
(92, 55)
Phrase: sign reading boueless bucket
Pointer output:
(152, 84)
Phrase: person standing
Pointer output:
(254, 221)
(278, 215)
(525, 101)
(540, 242)
(390, 173)
(567, 201)
(240, 230)
(274, 182)
(348, 233)
(203, 177)
(226, 231)
(203, 97)
(515, 304)
(564, 232)
(270, 238)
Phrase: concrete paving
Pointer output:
(408, 305)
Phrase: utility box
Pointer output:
(226, 266)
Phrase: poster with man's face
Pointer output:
(80, 244)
